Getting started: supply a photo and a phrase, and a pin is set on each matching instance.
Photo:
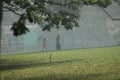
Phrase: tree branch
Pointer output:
(114, 19)
(117, 2)
(11, 10)
(57, 3)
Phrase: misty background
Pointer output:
(96, 29)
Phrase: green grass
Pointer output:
(83, 64)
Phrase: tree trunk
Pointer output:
(0, 23)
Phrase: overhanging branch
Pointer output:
(117, 2)
(9, 9)
(114, 19)
(58, 3)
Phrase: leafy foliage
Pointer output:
(40, 12)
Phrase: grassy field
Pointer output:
(83, 64)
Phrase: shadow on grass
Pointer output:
(2, 61)
(28, 65)
(92, 76)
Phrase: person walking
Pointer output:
(44, 47)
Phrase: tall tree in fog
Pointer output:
(51, 13)
(0, 22)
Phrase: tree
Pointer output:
(0, 11)
(65, 13)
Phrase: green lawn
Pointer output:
(83, 64)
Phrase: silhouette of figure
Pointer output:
(58, 46)
(44, 44)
